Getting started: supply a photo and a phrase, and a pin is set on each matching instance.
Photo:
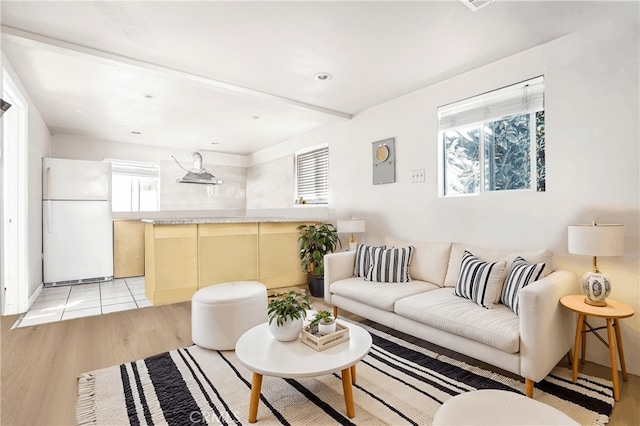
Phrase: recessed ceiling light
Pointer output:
(256, 117)
(215, 143)
(323, 76)
(136, 132)
(148, 96)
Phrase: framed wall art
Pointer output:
(383, 154)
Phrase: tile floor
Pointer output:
(67, 302)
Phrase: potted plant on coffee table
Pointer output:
(287, 314)
(316, 241)
(324, 321)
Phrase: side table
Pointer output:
(612, 313)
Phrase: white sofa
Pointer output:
(529, 344)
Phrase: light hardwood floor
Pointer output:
(40, 363)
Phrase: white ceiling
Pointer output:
(213, 67)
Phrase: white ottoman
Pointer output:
(497, 407)
(221, 313)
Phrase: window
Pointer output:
(312, 176)
(134, 186)
(494, 141)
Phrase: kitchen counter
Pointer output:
(183, 255)
(237, 219)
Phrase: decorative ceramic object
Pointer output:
(596, 287)
(288, 331)
(327, 328)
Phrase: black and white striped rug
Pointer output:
(397, 383)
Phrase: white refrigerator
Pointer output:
(77, 222)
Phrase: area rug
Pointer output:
(397, 383)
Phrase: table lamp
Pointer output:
(351, 226)
(596, 240)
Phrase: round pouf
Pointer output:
(221, 313)
(496, 407)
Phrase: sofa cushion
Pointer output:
(363, 260)
(493, 255)
(428, 261)
(390, 265)
(379, 295)
(520, 275)
(498, 327)
(479, 281)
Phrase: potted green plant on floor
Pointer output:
(316, 241)
(287, 314)
(324, 321)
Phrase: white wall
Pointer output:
(173, 196)
(592, 155)
(38, 138)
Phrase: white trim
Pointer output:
(15, 211)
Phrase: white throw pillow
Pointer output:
(520, 275)
(479, 281)
(363, 260)
(428, 261)
(390, 265)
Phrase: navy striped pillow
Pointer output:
(520, 275)
(363, 259)
(479, 281)
(390, 265)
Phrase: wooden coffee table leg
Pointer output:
(348, 392)
(353, 374)
(256, 385)
(576, 347)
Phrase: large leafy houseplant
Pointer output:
(316, 241)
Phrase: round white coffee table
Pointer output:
(265, 356)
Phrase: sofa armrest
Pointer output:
(546, 327)
(337, 266)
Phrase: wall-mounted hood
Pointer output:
(197, 174)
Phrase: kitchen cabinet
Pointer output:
(279, 255)
(171, 263)
(128, 248)
(182, 256)
(227, 252)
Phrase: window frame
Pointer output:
(313, 198)
(470, 109)
(135, 169)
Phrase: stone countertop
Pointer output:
(192, 221)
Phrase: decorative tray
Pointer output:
(320, 342)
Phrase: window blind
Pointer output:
(312, 176)
(134, 168)
(520, 98)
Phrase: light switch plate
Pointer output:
(417, 175)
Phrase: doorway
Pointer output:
(14, 213)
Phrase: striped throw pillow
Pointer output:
(478, 280)
(390, 265)
(363, 259)
(520, 275)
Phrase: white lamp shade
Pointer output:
(597, 240)
(351, 225)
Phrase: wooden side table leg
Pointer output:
(623, 365)
(576, 347)
(256, 385)
(353, 374)
(348, 392)
(612, 357)
(583, 351)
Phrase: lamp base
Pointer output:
(601, 304)
(596, 287)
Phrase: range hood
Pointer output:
(197, 174)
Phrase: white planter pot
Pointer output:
(327, 328)
(288, 331)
